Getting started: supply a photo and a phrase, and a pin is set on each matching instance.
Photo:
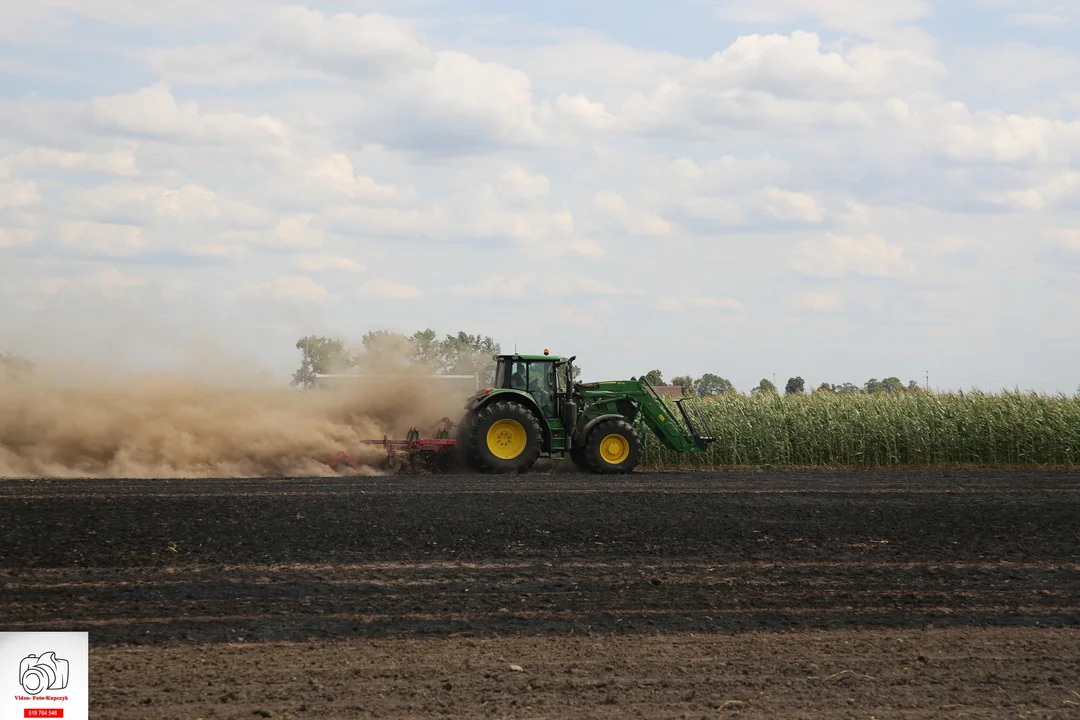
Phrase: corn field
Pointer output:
(884, 430)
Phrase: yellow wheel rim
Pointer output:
(614, 449)
(506, 439)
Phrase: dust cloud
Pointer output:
(74, 422)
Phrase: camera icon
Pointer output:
(38, 673)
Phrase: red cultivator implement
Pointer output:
(414, 452)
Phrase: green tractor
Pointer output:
(535, 409)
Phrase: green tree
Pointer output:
(425, 347)
(385, 351)
(321, 355)
(765, 387)
(465, 354)
(795, 386)
(888, 385)
(685, 382)
(892, 385)
(825, 388)
(709, 384)
(655, 377)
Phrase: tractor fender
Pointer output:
(579, 436)
(513, 396)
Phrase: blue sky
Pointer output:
(826, 188)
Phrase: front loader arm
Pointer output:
(654, 412)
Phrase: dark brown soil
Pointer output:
(811, 594)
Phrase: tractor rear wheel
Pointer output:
(613, 446)
(504, 437)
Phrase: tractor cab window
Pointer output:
(519, 376)
(541, 380)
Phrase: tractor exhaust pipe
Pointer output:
(570, 409)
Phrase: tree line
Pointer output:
(384, 351)
(709, 385)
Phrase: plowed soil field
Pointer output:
(767, 595)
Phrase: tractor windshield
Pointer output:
(541, 380)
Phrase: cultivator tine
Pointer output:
(411, 452)
(342, 457)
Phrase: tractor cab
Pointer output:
(536, 375)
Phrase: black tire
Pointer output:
(481, 456)
(603, 462)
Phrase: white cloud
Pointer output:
(15, 237)
(111, 283)
(301, 42)
(792, 206)
(1066, 238)
(328, 263)
(357, 46)
(119, 163)
(495, 286)
(1037, 14)
(839, 256)
(672, 303)
(335, 175)
(719, 303)
(19, 193)
(820, 300)
(103, 238)
(726, 174)
(383, 289)
(459, 101)
(1040, 21)
(295, 231)
(580, 111)
(212, 250)
(291, 287)
(579, 285)
(519, 185)
(633, 221)
(518, 286)
(154, 112)
(1053, 190)
(779, 82)
(996, 137)
(866, 18)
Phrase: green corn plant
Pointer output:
(885, 430)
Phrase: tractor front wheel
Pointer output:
(613, 446)
(505, 437)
